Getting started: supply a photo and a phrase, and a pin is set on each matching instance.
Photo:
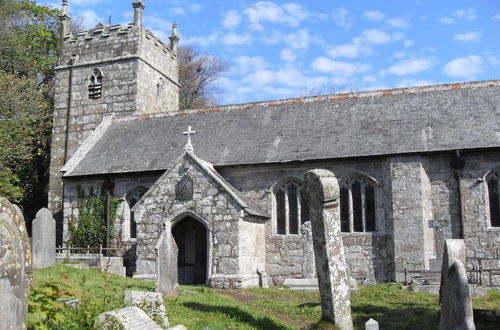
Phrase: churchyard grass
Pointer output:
(273, 308)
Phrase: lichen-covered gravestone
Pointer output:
(128, 318)
(150, 302)
(455, 298)
(323, 193)
(15, 267)
(166, 265)
(44, 239)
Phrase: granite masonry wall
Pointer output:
(416, 209)
(139, 77)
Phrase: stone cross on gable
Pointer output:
(189, 132)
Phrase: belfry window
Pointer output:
(357, 205)
(494, 197)
(290, 206)
(95, 85)
(132, 197)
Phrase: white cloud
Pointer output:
(290, 78)
(399, 23)
(408, 43)
(464, 67)
(376, 37)
(90, 18)
(177, 11)
(236, 39)
(369, 79)
(469, 36)
(288, 55)
(348, 50)
(247, 64)
(447, 20)
(399, 55)
(232, 19)
(298, 40)
(466, 14)
(202, 41)
(267, 11)
(413, 83)
(83, 3)
(497, 17)
(413, 66)
(323, 64)
(342, 18)
(493, 60)
(373, 15)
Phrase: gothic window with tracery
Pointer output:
(291, 207)
(95, 85)
(493, 197)
(357, 205)
(132, 197)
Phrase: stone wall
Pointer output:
(139, 77)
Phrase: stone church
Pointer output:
(415, 165)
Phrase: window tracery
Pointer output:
(132, 197)
(290, 206)
(492, 180)
(357, 205)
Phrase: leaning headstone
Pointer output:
(44, 239)
(15, 267)
(371, 324)
(150, 302)
(166, 265)
(455, 298)
(128, 318)
(452, 249)
(323, 193)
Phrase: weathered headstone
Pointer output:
(44, 239)
(128, 318)
(308, 265)
(150, 302)
(455, 298)
(166, 265)
(15, 267)
(371, 324)
(323, 193)
(113, 265)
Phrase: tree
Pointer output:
(197, 76)
(29, 47)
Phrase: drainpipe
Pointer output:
(457, 164)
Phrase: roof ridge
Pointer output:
(327, 97)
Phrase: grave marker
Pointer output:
(323, 193)
(166, 265)
(44, 239)
(128, 318)
(15, 267)
(150, 302)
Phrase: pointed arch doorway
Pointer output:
(190, 235)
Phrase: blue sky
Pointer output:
(281, 49)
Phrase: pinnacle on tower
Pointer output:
(174, 38)
(64, 18)
(138, 8)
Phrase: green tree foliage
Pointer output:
(29, 49)
(90, 227)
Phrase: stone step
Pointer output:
(426, 288)
(427, 278)
(301, 283)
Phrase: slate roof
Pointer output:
(426, 119)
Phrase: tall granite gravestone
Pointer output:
(44, 239)
(455, 298)
(15, 267)
(323, 193)
(166, 265)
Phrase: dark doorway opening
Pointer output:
(191, 238)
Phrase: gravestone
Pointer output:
(150, 302)
(15, 267)
(166, 265)
(455, 297)
(323, 193)
(113, 265)
(308, 265)
(128, 318)
(44, 239)
(371, 324)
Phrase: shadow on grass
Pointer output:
(408, 316)
(238, 314)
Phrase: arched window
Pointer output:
(492, 179)
(291, 207)
(95, 85)
(357, 205)
(132, 197)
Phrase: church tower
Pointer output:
(110, 69)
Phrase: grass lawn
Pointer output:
(274, 308)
